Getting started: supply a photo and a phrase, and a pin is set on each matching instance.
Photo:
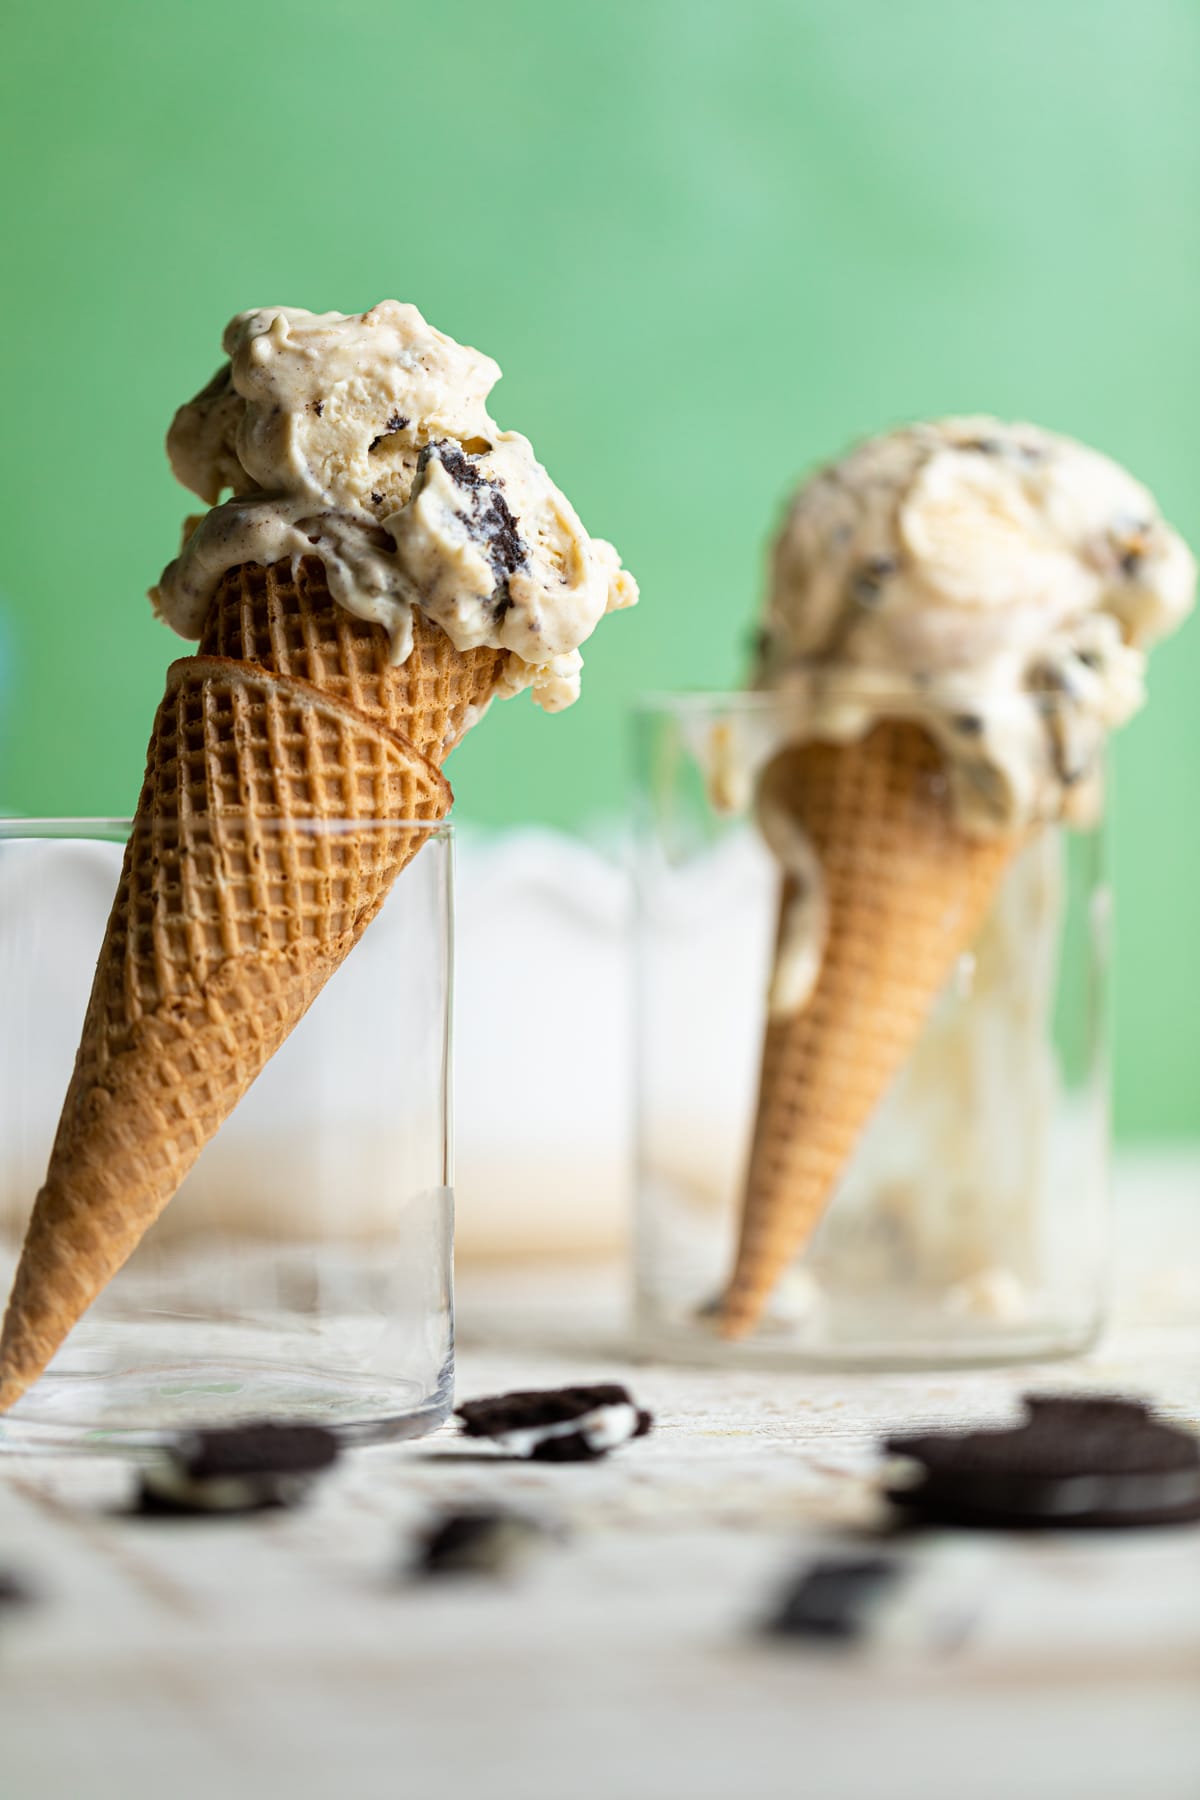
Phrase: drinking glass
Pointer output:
(303, 1269)
(970, 1224)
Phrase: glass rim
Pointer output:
(49, 825)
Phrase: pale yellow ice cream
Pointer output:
(998, 584)
(364, 439)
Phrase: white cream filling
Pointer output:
(601, 1429)
(222, 1493)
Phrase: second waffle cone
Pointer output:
(907, 892)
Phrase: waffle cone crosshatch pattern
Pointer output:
(283, 618)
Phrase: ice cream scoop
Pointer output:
(997, 585)
(388, 564)
(365, 439)
(959, 614)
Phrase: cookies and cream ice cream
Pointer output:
(997, 584)
(959, 614)
(388, 562)
(364, 439)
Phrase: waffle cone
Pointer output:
(230, 915)
(907, 892)
(284, 618)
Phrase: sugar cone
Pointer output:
(230, 915)
(285, 619)
(907, 892)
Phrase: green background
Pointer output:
(708, 242)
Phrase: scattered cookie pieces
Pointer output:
(237, 1469)
(1075, 1460)
(833, 1598)
(15, 1592)
(573, 1424)
(482, 1541)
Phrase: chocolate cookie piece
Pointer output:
(484, 511)
(573, 1424)
(1075, 1460)
(833, 1598)
(15, 1591)
(483, 1541)
(239, 1468)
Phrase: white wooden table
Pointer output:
(286, 1655)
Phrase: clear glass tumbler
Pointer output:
(303, 1270)
(970, 1224)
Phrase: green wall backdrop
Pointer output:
(709, 242)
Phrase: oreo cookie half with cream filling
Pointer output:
(235, 1469)
(573, 1424)
(1075, 1460)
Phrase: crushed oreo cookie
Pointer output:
(868, 581)
(15, 1592)
(1051, 678)
(239, 1468)
(457, 464)
(1075, 1460)
(1131, 540)
(833, 1598)
(486, 514)
(396, 422)
(574, 1424)
(479, 1542)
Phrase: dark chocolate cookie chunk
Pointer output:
(1075, 1460)
(484, 512)
(238, 1468)
(15, 1591)
(478, 1542)
(833, 1598)
(573, 1424)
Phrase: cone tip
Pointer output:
(12, 1386)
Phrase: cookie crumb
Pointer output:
(477, 1542)
(833, 1598)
